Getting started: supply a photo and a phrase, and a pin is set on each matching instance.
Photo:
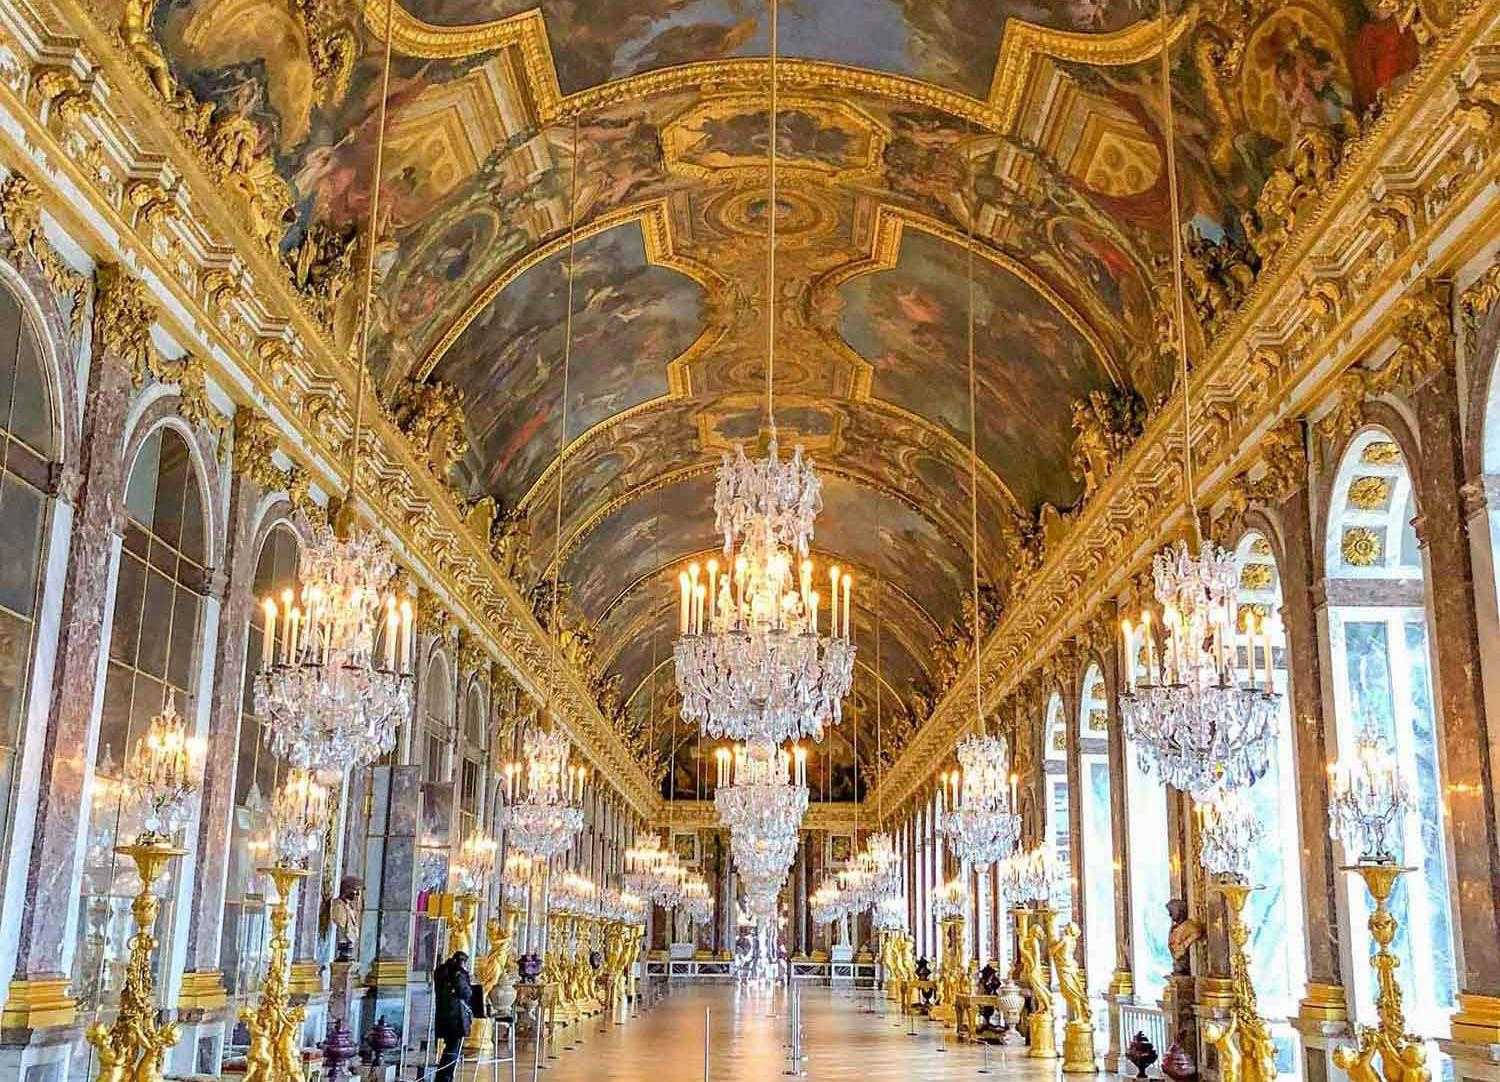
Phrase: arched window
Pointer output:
(1150, 887)
(154, 652)
(245, 936)
(1378, 639)
(471, 772)
(1278, 959)
(1097, 845)
(1059, 824)
(435, 842)
(28, 449)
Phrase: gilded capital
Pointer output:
(255, 441)
(123, 314)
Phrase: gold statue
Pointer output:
(136, 33)
(488, 970)
(1078, 1034)
(1034, 973)
(1358, 1062)
(132, 1049)
(1256, 1051)
(1223, 1039)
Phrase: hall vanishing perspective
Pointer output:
(675, 539)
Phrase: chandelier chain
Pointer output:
(366, 301)
(771, 235)
(973, 463)
(562, 435)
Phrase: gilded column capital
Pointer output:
(255, 442)
(1423, 331)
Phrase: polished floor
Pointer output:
(748, 1032)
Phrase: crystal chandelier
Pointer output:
(544, 797)
(1369, 799)
(753, 662)
(980, 821)
(335, 671)
(1227, 834)
(889, 914)
(697, 903)
(474, 863)
(762, 797)
(827, 903)
(573, 896)
(299, 815)
(162, 774)
(1194, 722)
(1028, 876)
(950, 899)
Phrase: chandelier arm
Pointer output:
(365, 303)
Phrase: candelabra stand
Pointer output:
(1034, 932)
(460, 921)
(953, 971)
(275, 1026)
(1244, 1045)
(133, 1047)
(1402, 1056)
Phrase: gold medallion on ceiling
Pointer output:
(802, 215)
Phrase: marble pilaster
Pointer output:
(1467, 760)
(1119, 817)
(37, 994)
(390, 892)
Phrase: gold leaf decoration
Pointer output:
(1361, 546)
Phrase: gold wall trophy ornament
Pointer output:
(133, 1047)
(1257, 1053)
(275, 1026)
(1033, 930)
(1402, 1056)
(1078, 1034)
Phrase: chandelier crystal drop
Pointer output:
(753, 660)
(544, 796)
(889, 914)
(697, 902)
(980, 819)
(335, 672)
(950, 899)
(1193, 720)
(162, 774)
(1369, 799)
(762, 797)
(1228, 833)
(475, 863)
(1028, 876)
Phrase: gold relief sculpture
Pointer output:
(1256, 576)
(322, 268)
(255, 442)
(1299, 172)
(21, 211)
(1424, 338)
(123, 314)
(430, 414)
(132, 1048)
(953, 977)
(1217, 276)
(1032, 927)
(193, 404)
(1105, 425)
(1381, 453)
(1361, 546)
(1348, 412)
(1369, 493)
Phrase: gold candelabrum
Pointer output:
(954, 971)
(1402, 1056)
(275, 1026)
(133, 1047)
(1072, 985)
(1243, 1043)
(499, 934)
(1034, 931)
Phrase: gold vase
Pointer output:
(135, 1045)
(274, 1025)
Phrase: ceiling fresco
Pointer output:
(916, 137)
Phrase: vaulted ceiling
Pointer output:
(921, 142)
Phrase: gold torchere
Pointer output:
(488, 969)
(1033, 930)
(953, 972)
(1078, 1034)
(460, 921)
(134, 1046)
(275, 1026)
(1402, 1056)
(1244, 1044)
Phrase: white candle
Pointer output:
(848, 586)
(833, 601)
(682, 615)
(1150, 646)
(405, 648)
(268, 634)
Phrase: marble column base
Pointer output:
(1323, 1003)
(36, 1055)
(202, 989)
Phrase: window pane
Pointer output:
(31, 412)
(151, 653)
(140, 493)
(21, 529)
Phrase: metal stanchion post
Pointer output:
(984, 1066)
(706, 1016)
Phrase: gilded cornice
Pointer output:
(839, 815)
(223, 295)
(1326, 302)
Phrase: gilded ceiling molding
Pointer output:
(838, 816)
(233, 305)
(1446, 166)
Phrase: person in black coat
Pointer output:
(453, 993)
